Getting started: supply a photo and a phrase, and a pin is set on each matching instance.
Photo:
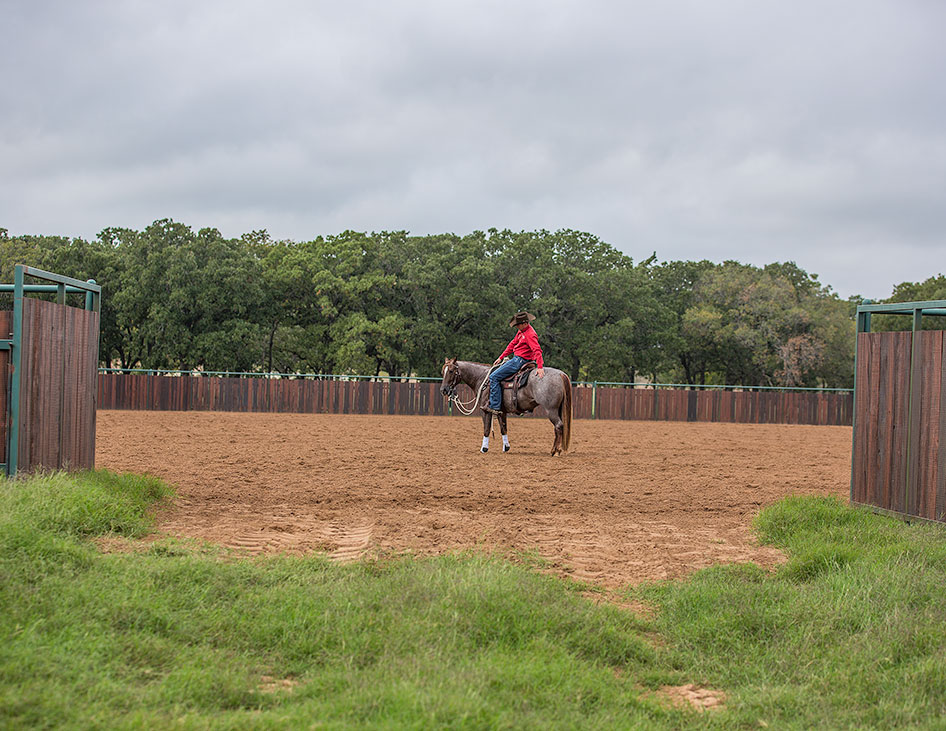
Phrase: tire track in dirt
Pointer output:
(343, 540)
(661, 550)
(351, 541)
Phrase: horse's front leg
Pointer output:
(502, 428)
(487, 425)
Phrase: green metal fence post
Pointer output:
(863, 326)
(912, 404)
(857, 332)
(90, 297)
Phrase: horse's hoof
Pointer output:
(484, 450)
(505, 449)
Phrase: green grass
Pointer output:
(175, 635)
(849, 634)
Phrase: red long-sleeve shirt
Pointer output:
(526, 345)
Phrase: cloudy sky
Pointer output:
(812, 130)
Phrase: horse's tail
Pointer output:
(565, 412)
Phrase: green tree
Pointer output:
(598, 313)
(295, 333)
(96, 260)
(447, 289)
(686, 343)
(76, 258)
(398, 304)
(822, 355)
(27, 250)
(743, 317)
(189, 300)
(931, 289)
(771, 326)
(347, 308)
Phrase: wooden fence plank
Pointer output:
(929, 424)
(6, 333)
(865, 426)
(939, 483)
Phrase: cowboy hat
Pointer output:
(521, 318)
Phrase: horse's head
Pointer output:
(451, 377)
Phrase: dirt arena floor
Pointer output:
(632, 500)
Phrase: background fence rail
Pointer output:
(165, 392)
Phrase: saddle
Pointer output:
(518, 382)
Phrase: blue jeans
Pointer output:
(506, 370)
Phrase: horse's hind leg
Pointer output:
(559, 434)
(487, 425)
(502, 429)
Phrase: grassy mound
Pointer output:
(850, 632)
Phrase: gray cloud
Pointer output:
(727, 130)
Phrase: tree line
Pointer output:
(396, 304)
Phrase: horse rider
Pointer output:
(524, 347)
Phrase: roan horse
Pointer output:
(553, 392)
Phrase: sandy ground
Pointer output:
(632, 500)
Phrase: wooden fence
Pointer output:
(899, 454)
(717, 405)
(307, 395)
(286, 395)
(55, 419)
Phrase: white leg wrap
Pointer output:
(506, 441)
(485, 444)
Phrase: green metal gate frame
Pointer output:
(916, 310)
(61, 287)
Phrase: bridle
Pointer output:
(454, 380)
